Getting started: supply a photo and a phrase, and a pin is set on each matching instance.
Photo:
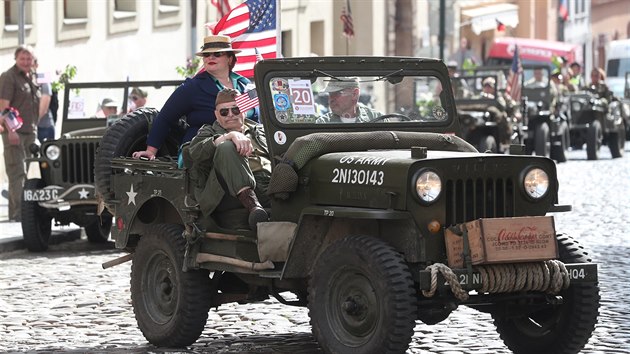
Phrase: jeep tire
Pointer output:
(594, 138)
(171, 306)
(98, 231)
(559, 329)
(617, 142)
(542, 145)
(361, 298)
(36, 223)
(125, 136)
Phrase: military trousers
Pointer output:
(14, 156)
(235, 171)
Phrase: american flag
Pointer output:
(252, 26)
(514, 78)
(247, 100)
(346, 19)
(223, 7)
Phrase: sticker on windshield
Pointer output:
(282, 117)
(281, 101)
(301, 94)
(439, 113)
(280, 85)
(280, 138)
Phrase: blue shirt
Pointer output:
(194, 99)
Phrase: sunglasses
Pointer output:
(225, 111)
(215, 54)
(135, 98)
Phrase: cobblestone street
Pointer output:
(63, 301)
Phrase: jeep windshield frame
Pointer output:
(81, 101)
(395, 93)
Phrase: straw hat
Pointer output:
(213, 44)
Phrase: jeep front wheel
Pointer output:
(361, 298)
(594, 138)
(171, 306)
(36, 222)
(558, 329)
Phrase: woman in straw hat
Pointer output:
(196, 97)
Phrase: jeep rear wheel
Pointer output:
(361, 298)
(98, 231)
(36, 223)
(560, 329)
(171, 306)
(125, 136)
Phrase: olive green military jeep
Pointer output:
(60, 180)
(373, 225)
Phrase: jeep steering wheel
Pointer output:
(391, 115)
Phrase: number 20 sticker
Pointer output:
(301, 94)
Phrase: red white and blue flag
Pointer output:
(252, 26)
(223, 7)
(514, 78)
(247, 100)
(346, 20)
(563, 10)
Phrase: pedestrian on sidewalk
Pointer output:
(18, 90)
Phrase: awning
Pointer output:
(486, 17)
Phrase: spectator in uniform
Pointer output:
(19, 90)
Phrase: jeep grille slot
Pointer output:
(78, 162)
(471, 199)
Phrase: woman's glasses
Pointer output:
(225, 111)
(134, 98)
(215, 54)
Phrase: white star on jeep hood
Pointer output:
(83, 194)
(132, 196)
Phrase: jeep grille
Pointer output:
(470, 199)
(77, 161)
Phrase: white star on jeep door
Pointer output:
(132, 196)
(83, 194)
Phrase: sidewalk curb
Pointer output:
(57, 237)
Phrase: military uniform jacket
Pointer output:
(208, 191)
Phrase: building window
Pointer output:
(167, 12)
(123, 16)
(73, 19)
(9, 22)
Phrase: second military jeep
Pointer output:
(373, 225)
(59, 187)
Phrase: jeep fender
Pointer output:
(321, 226)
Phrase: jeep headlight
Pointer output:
(52, 152)
(576, 106)
(536, 183)
(428, 186)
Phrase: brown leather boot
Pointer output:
(256, 212)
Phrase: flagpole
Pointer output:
(278, 30)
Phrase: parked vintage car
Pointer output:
(374, 224)
(59, 187)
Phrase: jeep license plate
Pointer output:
(41, 195)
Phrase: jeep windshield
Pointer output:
(333, 99)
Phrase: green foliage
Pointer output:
(190, 69)
(64, 77)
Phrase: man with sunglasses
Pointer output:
(343, 100)
(231, 156)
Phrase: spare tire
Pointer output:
(125, 136)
